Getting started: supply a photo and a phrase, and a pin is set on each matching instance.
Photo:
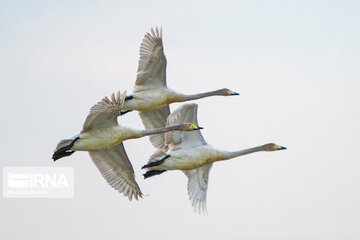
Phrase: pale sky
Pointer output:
(294, 63)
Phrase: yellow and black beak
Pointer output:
(196, 127)
(280, 147)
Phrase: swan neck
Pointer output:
(229, 155)
(148, 132)
(200, 95)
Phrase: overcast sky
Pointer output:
(294, 63)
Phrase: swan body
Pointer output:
(191, 158)
(196, 157)
(151, 99)
(189, 152)
(102, 137)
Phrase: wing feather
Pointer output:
(114, 165)
(179, 139)
(104, 113)
(197, 187)
(151, 71)
(156, 118)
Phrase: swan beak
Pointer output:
(280, 147)
(196, 127)
(234, 93)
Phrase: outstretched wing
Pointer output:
(151, 74)
(115, 167)
(197, 187)
(151, 71)
(179, 139)
(104, 114)
(156, 118)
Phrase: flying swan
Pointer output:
(151, 96)
(189, 152)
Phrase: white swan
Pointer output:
(102, 137)
(190, 153)
(151, 96)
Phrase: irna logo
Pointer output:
(43, 182)
(37, 180)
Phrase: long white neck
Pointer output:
(147, 132)
(183, 97)
(225, 155)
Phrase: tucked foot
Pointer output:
(156, 163)
(124, 112)
(153, 173)
(129, 97)
(65, 151)
(58, 155)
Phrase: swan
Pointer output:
(151, 96)
(190, 153)
(102, 137)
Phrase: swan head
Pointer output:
(227, 92)
(190, 127)
(273, 147)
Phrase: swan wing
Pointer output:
(180, 139)
(104, 113)
(156, 118)
(151, 71)
(197, 187)
(114, 165)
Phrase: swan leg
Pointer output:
(59, 155)
(64, 151)
(156, 163)
(153, 173)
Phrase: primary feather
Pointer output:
(104, 114)
(114, 165)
